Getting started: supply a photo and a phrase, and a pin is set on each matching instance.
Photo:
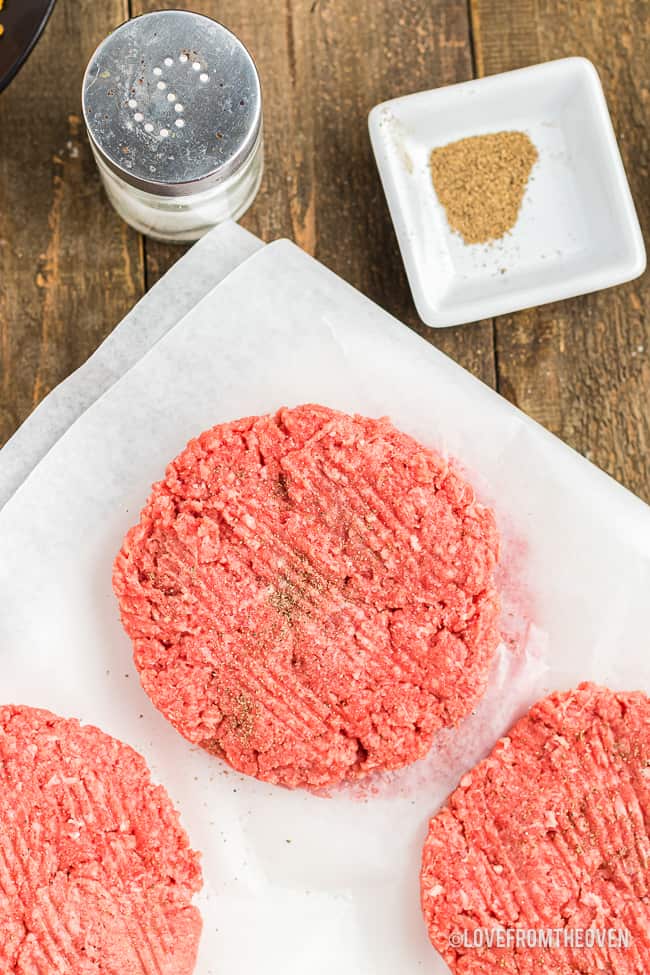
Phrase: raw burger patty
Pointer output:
(310, 595)
(551, 831)
(96, 875)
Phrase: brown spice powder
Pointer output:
(244, 718)
(481, 181)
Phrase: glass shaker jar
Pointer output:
(173, 109)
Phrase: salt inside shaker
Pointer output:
(173, 110)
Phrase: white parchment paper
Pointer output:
(188, 281)
(297, 883)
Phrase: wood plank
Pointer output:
(69, 268)
(324, 64)
(582, 367)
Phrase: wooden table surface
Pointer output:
(70, 269)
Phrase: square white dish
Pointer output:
(577, 229)
(298, 883)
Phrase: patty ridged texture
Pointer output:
(96, 874)
(551, 831)
(310, 595)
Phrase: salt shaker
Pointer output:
(173, 110)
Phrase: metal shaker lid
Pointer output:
(172, 102)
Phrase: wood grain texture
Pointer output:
(582, 367)
(69, 268)
(323, 65)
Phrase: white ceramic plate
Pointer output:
(577, 229)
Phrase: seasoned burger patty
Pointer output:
(96, 875)
(552, 831)
(310, 595)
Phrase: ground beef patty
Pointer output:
(310, 595)
(96, 875)
(551, 831)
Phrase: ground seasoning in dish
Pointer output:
(481, 181)
(551, 832)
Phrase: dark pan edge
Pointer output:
(20, 61)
